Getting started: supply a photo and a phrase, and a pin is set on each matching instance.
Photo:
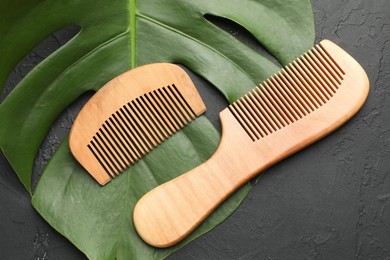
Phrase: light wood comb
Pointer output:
(305, 101)
(131, 115)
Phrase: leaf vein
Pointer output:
(197, 41)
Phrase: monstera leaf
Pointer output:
(116, 36)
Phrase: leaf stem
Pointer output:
(132, 29)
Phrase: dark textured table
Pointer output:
(329, 201)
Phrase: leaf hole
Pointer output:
(58, 131)
(40, 52)
(242, 34)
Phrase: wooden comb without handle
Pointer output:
(302, 103)
(130, 116)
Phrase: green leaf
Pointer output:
(116, 36)
(99, 219)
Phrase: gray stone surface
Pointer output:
(329, 201)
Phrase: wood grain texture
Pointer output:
(130, 116)
(307, 100)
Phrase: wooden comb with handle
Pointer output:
(305, 101)
(131, 115)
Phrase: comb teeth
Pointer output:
(138, 127)
(300, 88)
